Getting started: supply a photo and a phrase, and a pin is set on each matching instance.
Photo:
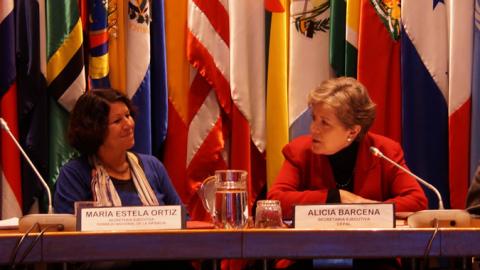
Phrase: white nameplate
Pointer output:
(130, 218)
(344, 216)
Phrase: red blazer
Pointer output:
(305, 177)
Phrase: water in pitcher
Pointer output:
(231, 210)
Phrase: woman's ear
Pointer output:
(354, 131)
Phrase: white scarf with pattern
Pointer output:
(104, 191)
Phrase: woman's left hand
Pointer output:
(349, 197)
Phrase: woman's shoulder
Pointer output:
(300, 143)
(384, 144)
(149, 160)
(299, 148)
(77, 163)
(76, 168)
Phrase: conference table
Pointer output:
(244, 243)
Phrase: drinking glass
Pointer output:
(268, 214)
(231, 204)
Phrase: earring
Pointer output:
(349, 139)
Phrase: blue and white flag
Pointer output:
(437, 68)
(138, 71)
(159, 77)
(425, 91)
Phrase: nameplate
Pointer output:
(130, 218)
(344, 216)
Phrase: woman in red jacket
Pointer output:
(334, 165)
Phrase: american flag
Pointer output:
(225, 108)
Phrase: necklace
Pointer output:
(346, 184)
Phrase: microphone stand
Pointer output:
(55, 222)
(430, 218)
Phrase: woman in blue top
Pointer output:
(102, 129)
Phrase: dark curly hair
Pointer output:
(88, 124)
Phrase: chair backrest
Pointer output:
(206, 192)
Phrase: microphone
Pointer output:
(378, 153)
(58, 222)
(430, 218)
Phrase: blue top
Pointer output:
(127, 192)
(74, 184)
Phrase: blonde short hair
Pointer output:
(349, 99)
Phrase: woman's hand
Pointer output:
(348, 197)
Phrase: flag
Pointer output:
(159, 95)
(337, 48)
(439, 48)
(274, 5)
(379, 63)
(277, 91)
(174, 157)
(226, 98)
(98, 65)
(309, 59)
(247, 82)
(475, 128)
(65, 75)
(32, 98)
(119, 38)
(459, 102)
(425, 92)
(138, 71)
(344, 24)
(208, 40)
(11, 191)
(351, 44)
(117, 45)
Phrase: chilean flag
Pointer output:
(11, 189)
